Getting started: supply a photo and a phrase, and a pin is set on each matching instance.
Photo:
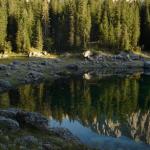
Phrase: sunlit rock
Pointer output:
(87, 54)
(87, 76)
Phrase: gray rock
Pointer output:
(65, 134)
(134, 57)
(16, 62)
(34, 76)
(6, 123)
(5, 84)
(44, 63)
(147, 64)
(14, 67)
(32, 119)
(57, 60)
(27, 140)
(72, 67)
(3, 67)
(8, 74)
(9, 113)
(119, 57)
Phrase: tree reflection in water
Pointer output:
(112, 106)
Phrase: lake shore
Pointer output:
(30, 130)
(18, 72)
(34, 70)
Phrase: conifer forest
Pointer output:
(74, 25)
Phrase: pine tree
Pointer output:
(69, 23)
(125, 42)
(135, 27)
(3, 24)
(117, 24)
(45, 22)
(12, 27)
(104, 29)
(96, 10)
(82, 23)
(39, 36)
(111, 36)
(23, 39)
(86, 26)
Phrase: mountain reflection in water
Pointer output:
(102, 109)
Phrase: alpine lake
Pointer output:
(107, 113)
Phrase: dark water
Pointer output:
(111, 113)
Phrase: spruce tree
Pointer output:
(69, 23)
(135, 26)
(3, 24)
(45, 20)
(39, 36)
(104, 29)
(125, 42)
(23, 39)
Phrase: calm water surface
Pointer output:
(111, 113)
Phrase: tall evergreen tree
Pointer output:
(3, 24)
(39, 36)
(104, 29)
(135, 36)
(69, 23)
(23, 39)
(125, 42)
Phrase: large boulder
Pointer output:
(87, 54)
(6, 123)
(32, 119)
(9, 113)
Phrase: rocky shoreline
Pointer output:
(36, 70)
(29, 130)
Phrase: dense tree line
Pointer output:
(73, 24)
